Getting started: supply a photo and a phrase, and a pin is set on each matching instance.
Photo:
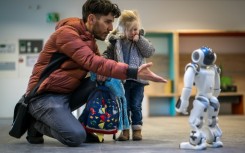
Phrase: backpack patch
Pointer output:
(101, 113)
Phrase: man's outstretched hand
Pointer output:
(146, 74)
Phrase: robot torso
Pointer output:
(205, 81)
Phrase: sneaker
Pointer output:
(33, 136)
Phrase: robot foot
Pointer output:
(216, 144)
(187, 145)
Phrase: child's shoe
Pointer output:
(124, 136)
(137, 136)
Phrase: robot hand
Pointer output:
(181, 108)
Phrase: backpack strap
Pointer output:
(55, 62)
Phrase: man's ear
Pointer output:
(91, 19)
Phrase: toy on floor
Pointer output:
(203, 119)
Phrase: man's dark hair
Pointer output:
(100, 7)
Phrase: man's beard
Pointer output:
(98, 37)
(96, 34)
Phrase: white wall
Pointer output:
(26, 19)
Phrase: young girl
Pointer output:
(127, 44)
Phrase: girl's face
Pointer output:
(132, 30)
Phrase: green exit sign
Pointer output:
(53, 17)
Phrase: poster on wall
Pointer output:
(31, 60)
(7, 60)
(7, 48)
(30, 46)
(7, 66)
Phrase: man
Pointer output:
(67, 88)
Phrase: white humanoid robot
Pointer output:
(203, 119)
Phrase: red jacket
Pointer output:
(72, 39)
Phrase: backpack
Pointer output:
(101, 113)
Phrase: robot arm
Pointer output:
(182, 104)
(217, 89)
(189, 77)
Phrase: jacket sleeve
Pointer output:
(70, 43)
(145, 47)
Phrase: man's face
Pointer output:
(102, 26)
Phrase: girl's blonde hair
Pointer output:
(125, 20)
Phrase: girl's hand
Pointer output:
(136, 38)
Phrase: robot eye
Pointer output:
(196, 56)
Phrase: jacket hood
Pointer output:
(77, 23)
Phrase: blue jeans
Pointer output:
(134, 93)
(53, 113)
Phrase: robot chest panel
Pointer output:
(206, 73)
(205, 80)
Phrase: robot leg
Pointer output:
(197, 140)
(211, 127)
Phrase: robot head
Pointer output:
(203, 56)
